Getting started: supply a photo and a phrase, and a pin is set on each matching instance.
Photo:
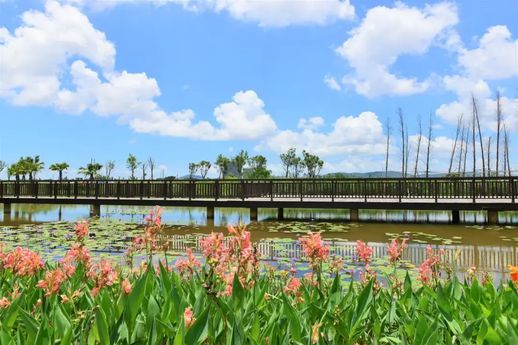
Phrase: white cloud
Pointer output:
(311, 123)
(332, 83)
(387, 33)
(495, 58)
(356, 135)
(73, 71)
(267, 13)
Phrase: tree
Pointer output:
(420, 135)
(193, 168)
(2, 166)
(32, 165)
(222, 162)
(108, 168)
(475, 111)
(498, 126)
(454, 148)
(258, 167)
(239, 162)
(429, 146)
(507, 162)
(297, 166)
(312, 163)
(403, 141)
(91, 170)
(151, 164)
(143, 165)
(132, 165)
(388, 147)
(288, 159)
(59, 167)
(204, 167)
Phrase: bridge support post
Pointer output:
(7, 212)
(455, 217)
(280, 213)
(354, 215)
(210, 213)
(95, 210)
(492, 217)
(253, 214)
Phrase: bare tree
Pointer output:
(420, 129)
(402, 131)
(507, 163)
(454, 148)
(461, 150)
(151, 163)
(475, 110)
(428, 146)
(407, 153)
(498, 125)
(388, 147)
(489, 157)
(144, 168)
(108, 168)
(465, 151)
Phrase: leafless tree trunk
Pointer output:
(429, 146)
(388, 147)
(461, 151)
(506, 152)
(403, 151)
(407, 153)
(475, 109)
(498, 124)
(459, 123)
(489, 157)
(474, 144)
(144, 167)
(466, 151)
(420, 128)
(151, 163)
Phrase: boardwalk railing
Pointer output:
(432, 189)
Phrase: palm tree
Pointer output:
(59, 167)
(91, 169)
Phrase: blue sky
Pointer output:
(185, 80)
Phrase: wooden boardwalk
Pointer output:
(446, 194)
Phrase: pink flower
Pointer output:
(4, 303)
(188, 317)
(126, 286)
(395, 250)
(81, 230)
(23, 262)
(293, 286)
(187, 265)
(52, 282)
(364, 251)
(314, 248)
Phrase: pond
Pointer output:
(46, 228)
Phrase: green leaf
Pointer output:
(102, 327)
(197, 333)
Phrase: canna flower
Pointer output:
(52, 282)
(363, 251)
(314, 248)
(395, 250)
(4, 303)
(188, 317)
(293, 286)
(81, 230)
(314, 333)
(187, 265)
(23, 262)
(126, 286)
(514, 273)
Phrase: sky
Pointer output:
(185, 80)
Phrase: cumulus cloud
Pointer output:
(362, 134)
(272, 13)
(311, 123)
(73, 71)
(495, 58)
(383, 36)
(332, 83)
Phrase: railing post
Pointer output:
(242, 189)
(164, 188)
(36, 190)
(118, 189)
(436, 189)
(96, 189)
(216, 190)
(333, 182)
(513, 190)
(56, 188)
(301, 192)
(271, 190)
(1, 189)
(365, 189)
(399, 190)
(473, 189)
(141, 189)
(17, 188)
(68, 189)
(75, 189)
